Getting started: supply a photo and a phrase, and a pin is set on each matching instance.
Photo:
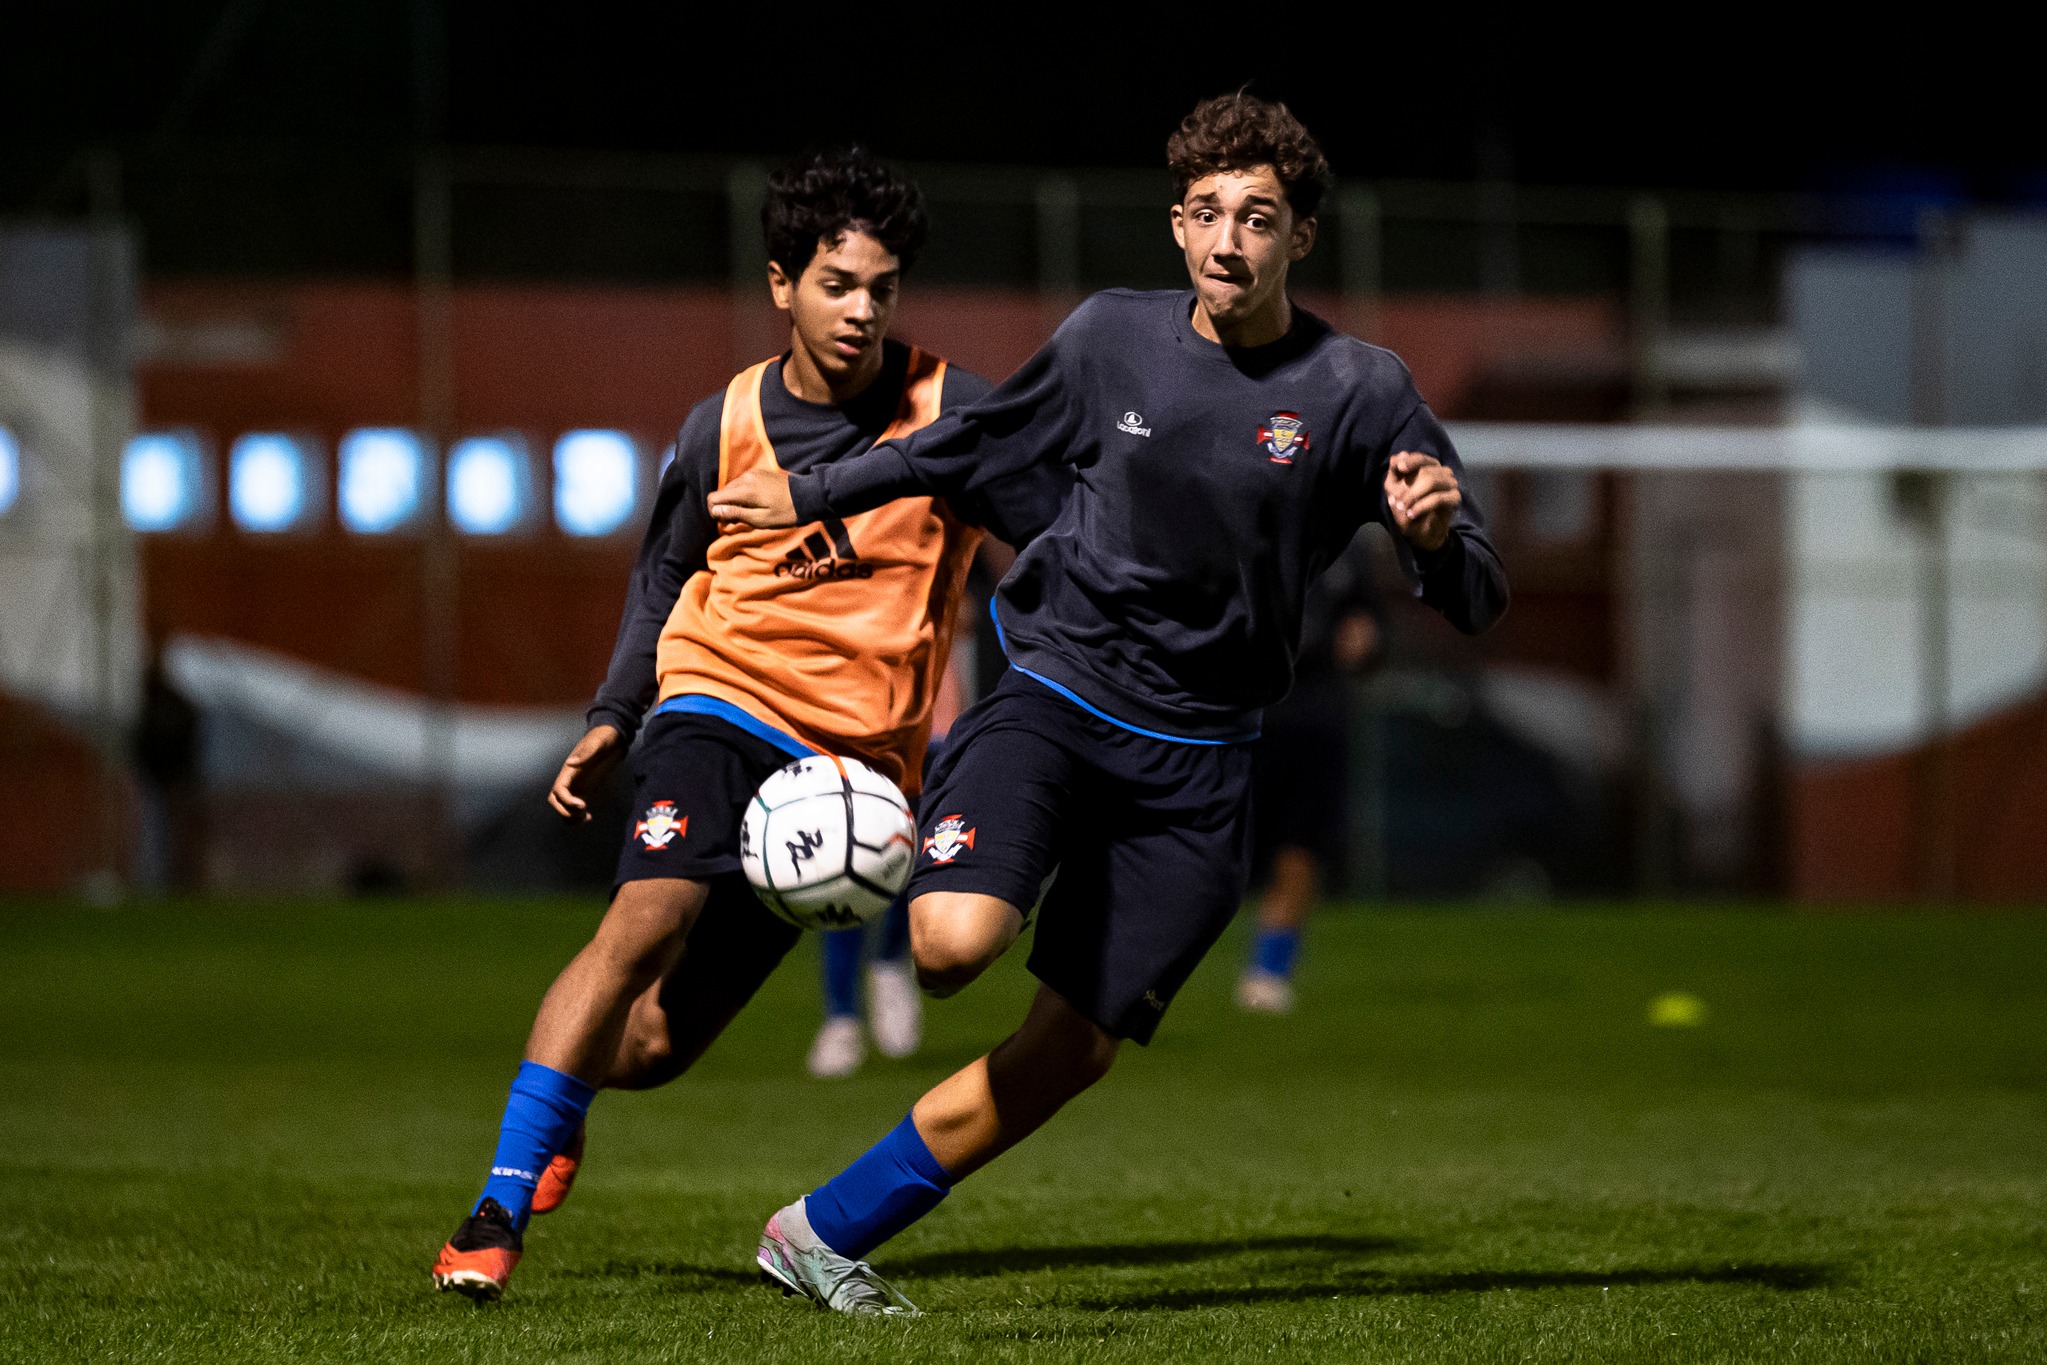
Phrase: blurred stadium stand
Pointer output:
(1764, 470)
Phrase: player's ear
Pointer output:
(1180, 226)
(1303, 240)
(781, 286)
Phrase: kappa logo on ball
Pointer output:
(950, 839)
(1282, 435)
(660, 825)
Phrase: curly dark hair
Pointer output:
(825, 194)
(1237, 131)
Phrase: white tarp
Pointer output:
(383, 730)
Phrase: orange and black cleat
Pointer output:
(478, 1259)
(553, 1189)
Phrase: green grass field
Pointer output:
(241, 1133)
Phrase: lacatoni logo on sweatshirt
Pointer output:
(1133, 422)
(1283, 434)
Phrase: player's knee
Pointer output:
(947, 955)
(953, 939)
(943, 973)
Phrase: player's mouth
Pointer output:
(851, 346)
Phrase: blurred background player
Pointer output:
(1300, 773)
(894, 1013)
(761, 647)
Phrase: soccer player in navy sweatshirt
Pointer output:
(1222, 447)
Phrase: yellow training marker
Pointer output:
(1676, 1009)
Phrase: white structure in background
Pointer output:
(1918, 579)
(69, 634)
(352, 730)
(1850, 587)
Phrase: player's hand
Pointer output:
(758, 498)
(1423, 494)
(584, 770)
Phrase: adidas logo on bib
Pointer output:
(824, 555)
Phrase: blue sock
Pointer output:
(1273, 952)
(895, 932)
(894, 1184)
(842, 972)
(543, 1114)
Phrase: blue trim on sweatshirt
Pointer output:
(691, 704)
(1096, 711)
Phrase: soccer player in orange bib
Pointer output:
(753, 648)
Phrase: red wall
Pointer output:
(62, 815)
(1884, 828)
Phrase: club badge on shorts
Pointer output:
(1282, 435)
(660, 825)
(950, 839)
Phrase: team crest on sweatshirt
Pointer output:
(1283, 434)
(950, 839)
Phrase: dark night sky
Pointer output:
(1716, 97)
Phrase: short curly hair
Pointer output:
(823, 195)
(1237, 131)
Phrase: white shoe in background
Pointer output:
(1264, 993)
(838, 1049)
(895, 1011)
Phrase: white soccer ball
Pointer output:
(827, 842)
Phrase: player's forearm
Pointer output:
(866, 481)
(991, 454)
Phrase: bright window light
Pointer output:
(594, 478)
(382, 475)
(162, 487)
(10, 471)
(268, 482)
(489, 485)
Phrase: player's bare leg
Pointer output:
(569, 1055)
(672, 1024)
(583, 1016)
(991, 1104)
(955, 936)
(959, 1126)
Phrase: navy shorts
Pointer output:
(693, 776)
(1151, 840)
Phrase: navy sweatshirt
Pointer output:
(1204, 490)
(805, 436)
